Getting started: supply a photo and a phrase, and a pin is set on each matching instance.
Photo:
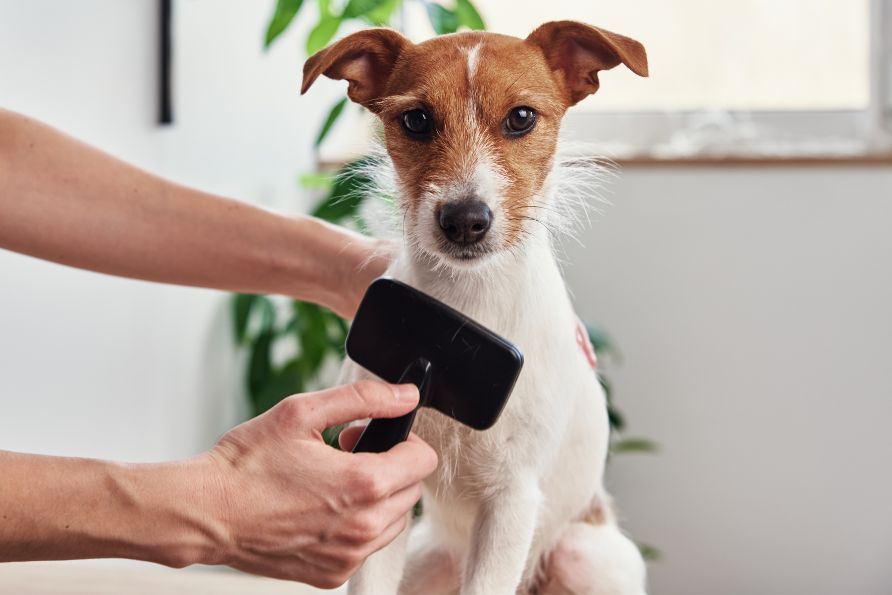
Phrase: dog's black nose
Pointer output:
(465, 221)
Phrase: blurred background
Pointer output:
(742, 270)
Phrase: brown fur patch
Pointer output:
(595, 515)
(599, 513)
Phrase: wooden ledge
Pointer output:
(866, 160)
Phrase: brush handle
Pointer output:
(383, 434)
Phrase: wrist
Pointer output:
(174, 511)
(341, 264)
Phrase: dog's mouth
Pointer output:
(464, 254)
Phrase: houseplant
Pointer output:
(310, 336)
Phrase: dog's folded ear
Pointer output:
(576, 52)
(365, 60)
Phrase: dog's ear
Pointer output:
(365, 60)
(576, 52)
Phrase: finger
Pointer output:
(349, 436)
(413, 437)
(360, 400)
(389, 534)
(399, 504)
(405, 464)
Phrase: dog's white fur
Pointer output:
(504, 511)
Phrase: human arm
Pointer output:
(270, 498)
(64, 201)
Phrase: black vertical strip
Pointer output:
(165, 103)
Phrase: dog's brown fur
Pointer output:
(551, 70)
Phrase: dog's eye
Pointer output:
(417, 122)
(520, 120)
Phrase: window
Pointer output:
(765, 78)
(737, 54)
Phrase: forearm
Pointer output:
(67, 202)
(56, 508)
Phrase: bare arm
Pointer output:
(65, 201)
(271, 498)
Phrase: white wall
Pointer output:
(105, 367)
(751, 305)
(753, 309)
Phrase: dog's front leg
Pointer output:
(503, 534)
(382, 571)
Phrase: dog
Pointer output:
(470, 126)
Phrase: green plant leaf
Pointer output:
(260, 360)
(339, 335)
(315, 180)
(267, 313)
(381, 15)
(322, 33)
(641, 445)
(312, 335)
(607, 386)
(333, 114)
(616, 419)
(442, 19)
(469, 16)
(242, 303)
(278, 385)
(284, 13)
(260, 363)
(330, 435)
(600, 340)
(346, 195)
(649, 552)
(361, 8)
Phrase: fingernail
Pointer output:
(406, 392)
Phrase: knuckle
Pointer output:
(367, 486)
(366, 527)
(177, 560)
(356, 478)
(292, 410)
(374, 488)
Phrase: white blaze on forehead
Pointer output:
(472, 53)
(477, 175)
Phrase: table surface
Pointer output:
(66, 578)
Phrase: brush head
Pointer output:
(472, 370)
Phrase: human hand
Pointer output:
(292, 507)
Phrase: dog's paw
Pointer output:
(594, 560)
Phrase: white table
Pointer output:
(82, 578)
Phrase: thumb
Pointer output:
(360, 400)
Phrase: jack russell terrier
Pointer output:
(471, 124)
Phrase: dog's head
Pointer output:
(471, 122)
